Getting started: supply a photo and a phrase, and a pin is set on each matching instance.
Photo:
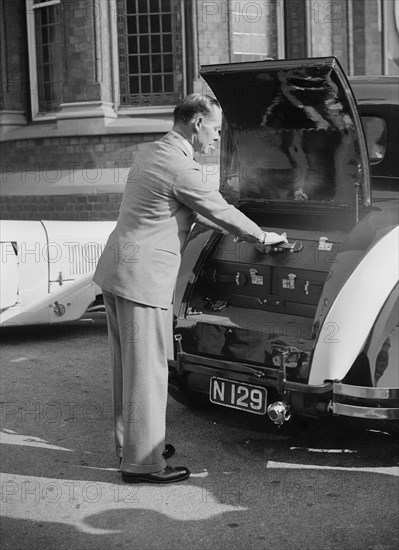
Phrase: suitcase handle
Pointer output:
(238, 278)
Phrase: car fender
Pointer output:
(382, 347)
(353, 313)
(66, 304)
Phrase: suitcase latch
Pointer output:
(237, 278)
(290, 282)
(256, 279)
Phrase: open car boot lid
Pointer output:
(292, 132)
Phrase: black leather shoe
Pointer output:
(168, 475)
(168, 452)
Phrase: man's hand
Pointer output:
(268, 239)
(271, 239)
(274, 238)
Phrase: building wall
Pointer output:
(73, 207)
(76, 168)
(74, 165)
(367, 35)
(212, 29)
(295, 15)
(339, 35)
(72, 177)
(82, 78)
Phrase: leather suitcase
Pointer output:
(303, 286)
(223, 280)
(276, 289)
(263, 281)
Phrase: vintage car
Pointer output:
(47, 269)
(310, 327)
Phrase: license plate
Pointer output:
(238, 395)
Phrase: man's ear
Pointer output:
(198, 120)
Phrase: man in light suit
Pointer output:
(165, 194)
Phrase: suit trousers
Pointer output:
(136, 335)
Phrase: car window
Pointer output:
(376, 137)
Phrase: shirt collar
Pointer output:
(185, 142)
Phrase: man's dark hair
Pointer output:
(193, 105)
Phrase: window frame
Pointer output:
(237, 35)
(146, 107)
(241, 34)
(31, 7)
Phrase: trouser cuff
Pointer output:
(131, 468)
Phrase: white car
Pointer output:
(47, 269)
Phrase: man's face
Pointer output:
(207, 130)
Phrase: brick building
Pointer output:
(86, 83)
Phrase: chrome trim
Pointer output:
(274, 377)
(279, 412)
(228, 365)
(308, 388)
(372, 413)
(364, 392)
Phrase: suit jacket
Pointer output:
(164, 191)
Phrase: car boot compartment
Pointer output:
(288, 281)
(257, 307)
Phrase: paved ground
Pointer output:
(324, 486)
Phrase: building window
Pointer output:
(151, 52)
(46, 59)
(254, 30)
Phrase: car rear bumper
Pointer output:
(332, 397)
(363, 402)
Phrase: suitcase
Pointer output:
(245, 345)
(226, 279)
(303, 286)
(270, 288)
